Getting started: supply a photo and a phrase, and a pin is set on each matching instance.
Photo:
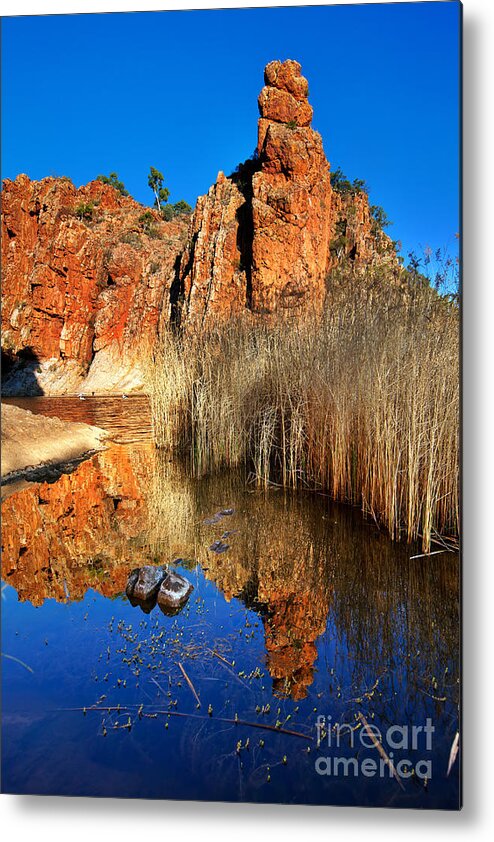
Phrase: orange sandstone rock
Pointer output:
(292, 193)
(84, 297)
(282, 107)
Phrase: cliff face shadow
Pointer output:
(177, 288)
(19, 372)
(242, 177)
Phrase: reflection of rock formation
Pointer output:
(77, 533)
(293, 558)
(278, 566)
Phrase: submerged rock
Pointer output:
(219, 547)
(148, 585)
(144, 582)
(173, 593)
(132, 581)
(218, 515)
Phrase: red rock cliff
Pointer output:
(85, 282)
(86, 294)
(266, 237)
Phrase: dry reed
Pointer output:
(361, 402)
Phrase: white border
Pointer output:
(77, 819)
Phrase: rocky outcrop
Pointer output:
(90, 277)
(212, 279)
(291, 204)
(86, 278)
(265, 238)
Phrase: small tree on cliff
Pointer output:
(113, 180)
(155, 181)
(380, 216)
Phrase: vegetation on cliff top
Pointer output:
(161, 194)
(341, 184)
(113, 181)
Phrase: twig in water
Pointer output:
(232, 672)
(244, 722)
(380, 749)
(191, 686)
(18, 661)
(155, 713)
(453, 753)
(217, 655)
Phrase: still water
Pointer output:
(310, 632)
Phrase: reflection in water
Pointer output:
(126, 419)
(297, 562)
(348, 621)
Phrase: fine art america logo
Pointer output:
(405, 739)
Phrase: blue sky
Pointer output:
(89, 94)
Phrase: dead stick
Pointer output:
(380, 749)
(232, 672)
(261, 725)
(191, 686)
(221, 658)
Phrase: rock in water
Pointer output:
(144, 583)
(173, 593)
(132, 581)
(219, 547)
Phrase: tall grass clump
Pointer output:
(361, 402)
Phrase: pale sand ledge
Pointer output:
(34, 441)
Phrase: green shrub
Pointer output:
(113, 181)
(380, 217)
(342, 184)
(148, 223)
(181, 208)
(84, 211)
(167, 213)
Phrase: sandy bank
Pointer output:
(32, 442)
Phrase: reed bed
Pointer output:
(361, 402)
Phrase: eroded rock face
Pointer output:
(212, 275)
(81, 297)
(265, 238)
(84, 298)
